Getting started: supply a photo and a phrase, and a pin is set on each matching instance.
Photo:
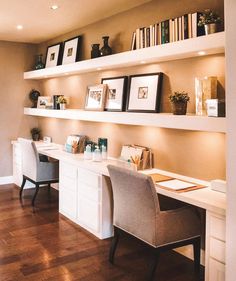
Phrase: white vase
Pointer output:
(62, 106)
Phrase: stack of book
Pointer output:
(167, 31)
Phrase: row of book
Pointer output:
(167, 31)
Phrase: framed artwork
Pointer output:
(71, 50)
(116, 93)
(54, 55)
(44, 102)
(95, 98)
(145, 92)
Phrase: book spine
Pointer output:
(180, 28)
(137, 39)
(133, 42)
(196, 30)
(142, 38)
(148, 36)
(190, 35)
(170, 31)
(159, 34)
(165, 34)
(176, 30)
(185, 26)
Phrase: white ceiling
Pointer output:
(41, 23)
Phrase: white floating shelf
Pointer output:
(161, 120)
(210, 44)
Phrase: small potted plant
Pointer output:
(62, 102)
(210, 20)
(35, 133)
(179, 102)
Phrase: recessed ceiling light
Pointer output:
(54, 7)
(201, 53)
(19, 26)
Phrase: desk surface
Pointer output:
(204, 198)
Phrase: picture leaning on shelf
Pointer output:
(172, 30)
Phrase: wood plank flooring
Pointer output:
(39, 244)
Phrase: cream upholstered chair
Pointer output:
(34, 170)
(137, 212)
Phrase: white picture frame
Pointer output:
(95, 98)
(71, 50)
(53, 57)
(44, 102)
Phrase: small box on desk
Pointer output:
(215, 108)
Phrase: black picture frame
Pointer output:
(71, 50)
(119, 85)
(54, 55)
(147, 100)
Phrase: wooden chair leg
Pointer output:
(22, 186)
(154, 264)
(197, 254)
(114, 243)
(35, 193)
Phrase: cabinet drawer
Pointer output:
(217, 249)
(68, 170)
(217, 227)
(67, 202)
(88, 177)
(90, 192)
(88, 214)
(68, 183)
(216, 270)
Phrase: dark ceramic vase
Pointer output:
(106, 49)
(179, 108)
(39, 62)
(95, 52)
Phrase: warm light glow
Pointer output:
(99, 68)
(142, 61)
(54, 7)
(201, 53)
(19, 26)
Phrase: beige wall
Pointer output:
(15, 58)
(197, 154)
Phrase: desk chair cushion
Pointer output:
(137, 210)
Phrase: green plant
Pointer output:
(209, 16)
(35, 131)
(62, 99)
(179, 97)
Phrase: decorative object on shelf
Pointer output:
(145, 92)
(39, 62)
(95, 98)
(210, 20)
(215, 108)
(97, 154)
(71, 50)
(56, 104)
(35, 133)
(95, 52)
(102, 142)
(33, 96)
(54, 55)
(106, 49)
(75, 143)
(44, 102)
(179, 102)
(116, 93)
(205, 88)
(62, 100)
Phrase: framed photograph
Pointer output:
(95, 98)
(116, 93)
(54, 55)
(71, 50)
(145, 92)
(44, 102)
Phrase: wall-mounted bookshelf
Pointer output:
(204, 45)
(161, 120)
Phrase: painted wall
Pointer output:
(196, 154)
(15, 58)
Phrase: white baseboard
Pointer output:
(6, 180)
(187, 251)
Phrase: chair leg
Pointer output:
(114, 243)
(154, 264)
(22, 186)
(49, 189)
(197, 254)
(35, 194)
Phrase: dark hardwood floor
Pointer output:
(40, 245)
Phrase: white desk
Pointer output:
(85, 198)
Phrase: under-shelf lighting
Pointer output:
(201, 53)
(142, 61)
(19, 27)
(99, 68)
(54, 7)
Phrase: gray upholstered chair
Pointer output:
(36, 171)
(137, 212)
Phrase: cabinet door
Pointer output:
(89, 214)
(216, 271)
(67, 203)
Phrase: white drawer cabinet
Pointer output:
(215, 247)
(68, 190)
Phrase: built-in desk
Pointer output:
(85, 198)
